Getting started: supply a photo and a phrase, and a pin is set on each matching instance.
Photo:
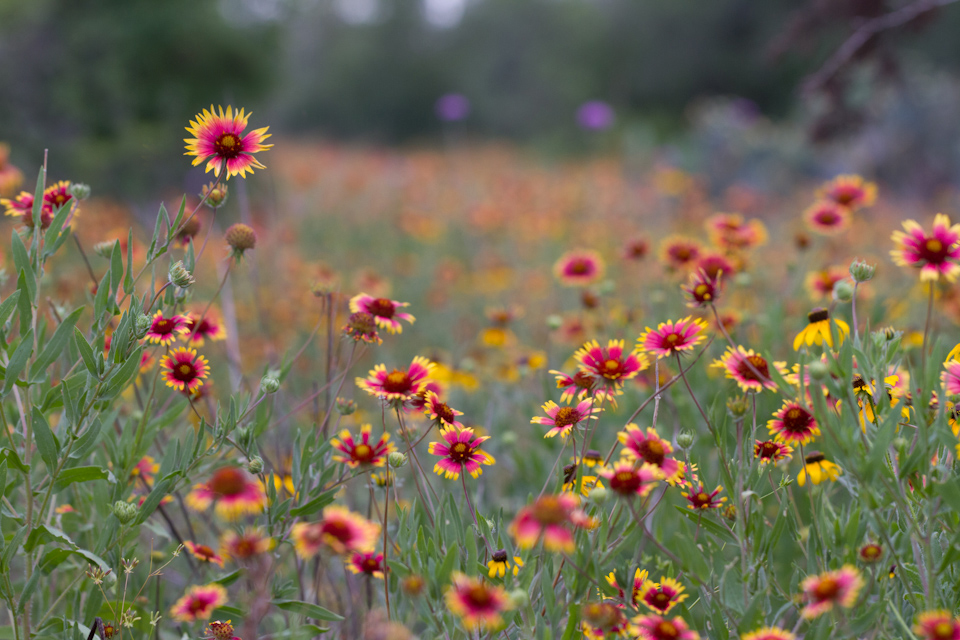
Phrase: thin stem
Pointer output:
(926, 331)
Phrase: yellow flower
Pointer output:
(819, 468)
(501, 564)
(818, 330)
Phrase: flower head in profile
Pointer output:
(219, 141)
(552, 518)
(937, 625)
(579, 268)
(164, 331)
(827, 218)
(362, 327)
(499, 564)
(603, 619)
(820, 284)
(769, 633)
(679, 253)
(630, 477)
(397, 387)
(650, 448)
(770, 451)
(562, 420)
(184, 370)
(203, 553)
(731, 232)
(442, 414)
(656, 627)
(233, 492)
(701, 289)
(699, 497)
(715, 265)
(793, 424)
(818, 468)
(672, 338)
(871, 552)
(611, 366)
(340, 530)
(478, 604)
(849, 191)
(829, 589)
(662, 596)
(818, 330)
(221, 630)
(203, 327)
(386, 313)
(54, 197)
(460, 451)
(362, 451)
(199, 602)
(936, 254)
(750, 370)
(250, 543)
(367, 563)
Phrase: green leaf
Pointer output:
(28, 590)
(128, 276)
(123, 376)
(8, 305)
(43, 534)
(36, 211)
(56, 344)
(46, 441)
(17, 362)
(81, 474)
(86, 353)
(13, 547)
(11, 457)
(24, 304)
(307, 609)
(161, 215)
(176, 223)
(443, 574)
(314, 505)
(150, 505)
(102, 299)
(21, 262)
(116, 267)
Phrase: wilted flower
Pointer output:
(241, 238)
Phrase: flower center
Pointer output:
(703, 498)
(337, 530)
(382, 307)
(566, 416)
(548, 510)
(227, 145)
(479, 597)
(203, 551)
(702, 292)
(828, 589)
(580, 267)
(818, 315)
(933, 250)
(768, 450)
(652, 451)
(362, 453)
(797, 420)
(943, 631)
(500, 556)
(199, 604)
(845, 196)
(583, 380)
(828, 217)
(460, 452)
(444, 413)
(397, 382)
(751, 365)
(363, 323)
(666, 630)
(370, 565)
(611, 367)
(673, 338)
(660, 600)
(627, 481)
(228, 481)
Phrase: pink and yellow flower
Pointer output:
(672, 337)
(442, 414)
(579, 268)
(478, 604)
(650, 448)
(829, 589)
(219, 141)
(769, 633)
(550, 517)
(203, 553)
(564, 419)
(368, 563)
(610, 365)
(937, 625)
(164, 331)
(199, 602)
(701, 290)
(679, 252)
(662, 596)
(769, 451)
(629, 477)
(362, 327)
(221, 630)
(362, 452)
(460, 452)
(184, 370)
(210, 327)
(792, 424)
(340, 530)
(731, 232)
(397, 387)
(750, 370)
(950, 376)
(827, 218)
(243, 546)
(656, 627)
(936, 254)
(235, 494)
(384, 311)
(603, 619)
(820, 284)
(699, 498)
(849, 191)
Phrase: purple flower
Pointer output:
(595, 115)
(452, 107)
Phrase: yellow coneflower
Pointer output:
(818, 330)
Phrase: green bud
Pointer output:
(345, 407)
(599, 495)
(519, 598)
(269, 384)
(861, 271)
(104, 249)
(843, 291)
(396, 459)
(255, 465)
(818, 370)
(216, 194)
(554, 322)
(742, 280)
(684, 439)
(606, 287)
(79, 190)
(738, 406)
(179, 275)
(126, 512)
(141, 324)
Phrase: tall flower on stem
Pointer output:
(793, 424)
(219, 141)
(340, 530)
(362, 451)
(386, 313)
(550, 517)
(672, 338)
(630, 477)
(199, 602)
(184, 370)
(650, 448)
(749, 369)
(610, 365)
(563, 420)
(398, 386)
(829, 589)
(232, 490)
(460, 452)
(936, 254)
(818, 330)
(478, 604)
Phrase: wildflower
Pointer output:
(164, 331)
(610, 365)
(579, 268)
(731, 232)
(189, 230)
(203, 553)
(715, 265)
(145, 468)
(818, 330)
(849, 191)
(770, 451)
(240, 238)
(679, 253)
(581, 384)
(820, 284)
(662, 596)
(243, 546)
(202, 327)
(564, 419)
(442, 414)
(340, 530)
(951, 377)
(872, 552)
(587, 483)
(769, 633)
(829, 589)
(384, 311)
(362, 326)
(650, 448)
(413, 585)
(937, 625)
(109, 630)
(861, 271)
(698, 497)
(819, 468)
(362, 451)
(672, 338)
(636, 249)
(793, 424)
(461, 452)
(749, 369)
(367, 563)
(234, 493)
(22, 207)
(827, 218)
(219, 138)
(550, 517)
(478, 605)
(397, 387)
(602, 620)
(184, 370)
(701, 289)
(935, 254)
(10, 176)
(659, 628)
(500, 564)
(199, 602)
(628, 479)
(221, 630)
(180, 276)
(214, 194)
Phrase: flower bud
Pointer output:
(345, 407)
(216, 194)
(413, 584)
(255, 465)
(241, 238)
(738, 406)
(397, 459)
(126, 512)
(554, 322)
(519, 598)
(179, 275)
(269, 384)
(684, 439)
(742, 279)
(599, 495)
(79, 190)
(508, 438)
(104, 249)
(818, 370)
(861, 271)
(843, 291)
(142, 324)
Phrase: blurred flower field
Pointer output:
(467, 392)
